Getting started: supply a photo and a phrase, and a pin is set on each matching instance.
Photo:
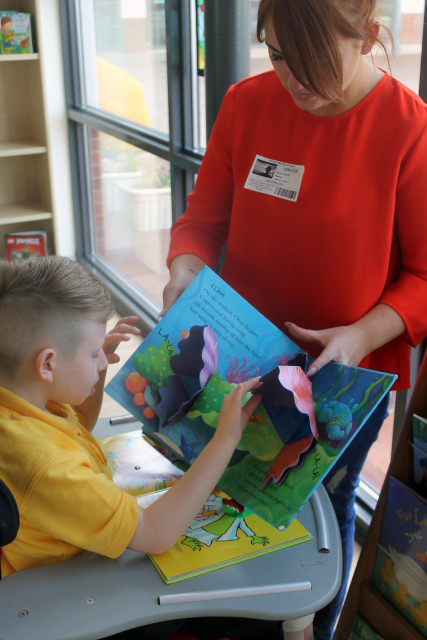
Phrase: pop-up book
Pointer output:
(208, 341)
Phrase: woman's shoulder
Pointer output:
(258, 86)
(408, 105)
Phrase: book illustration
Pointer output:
(400, 572)
(361, 630)
(207, 342)
(136, 466)
(220, 519)
(419, 445)
(15, 32)
(25, 244)
(223, 533)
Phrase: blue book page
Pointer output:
(207, 342)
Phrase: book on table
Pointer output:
(208, 341)
(137, 466)
(223, 533)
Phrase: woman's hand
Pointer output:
(119, 333)
(234, 416)
(341, 344)
(351, 343)
(183, 270)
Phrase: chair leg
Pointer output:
(294, 629)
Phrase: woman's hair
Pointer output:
(46, 298)
(306, 31)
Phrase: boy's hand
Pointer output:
(119, 333)
(234, 417)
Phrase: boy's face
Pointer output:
(75, 377)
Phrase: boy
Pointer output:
(54, 352)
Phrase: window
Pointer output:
(128, 62)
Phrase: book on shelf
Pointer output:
(208, 341)
(419, 446)
(25, 244)
(138, 467)
(361, 630)
(223, 533)
(400, 572)
(15, 32)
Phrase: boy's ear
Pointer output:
(372, 31)
(45, 364)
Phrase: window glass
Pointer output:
(123, 45)
(198, 55)
(404, 20)
(131, 203)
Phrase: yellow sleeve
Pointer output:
(71, 502)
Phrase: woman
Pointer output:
(331, 248)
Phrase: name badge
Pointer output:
(275, 178)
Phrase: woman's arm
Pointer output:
(351, 343)
(183, 269)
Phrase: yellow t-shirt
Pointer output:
(60, 480)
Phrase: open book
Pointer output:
(208, 341)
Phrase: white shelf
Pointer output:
(11, 148)
(23, 212)
(15, 57)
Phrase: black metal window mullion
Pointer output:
(227, 43)
(180, 90)
(423, 71)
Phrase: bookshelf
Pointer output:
(35, 185)
(362, 597)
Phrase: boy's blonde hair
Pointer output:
(46, 299)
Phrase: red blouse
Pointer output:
(355, 236)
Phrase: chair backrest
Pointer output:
(9, 517)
